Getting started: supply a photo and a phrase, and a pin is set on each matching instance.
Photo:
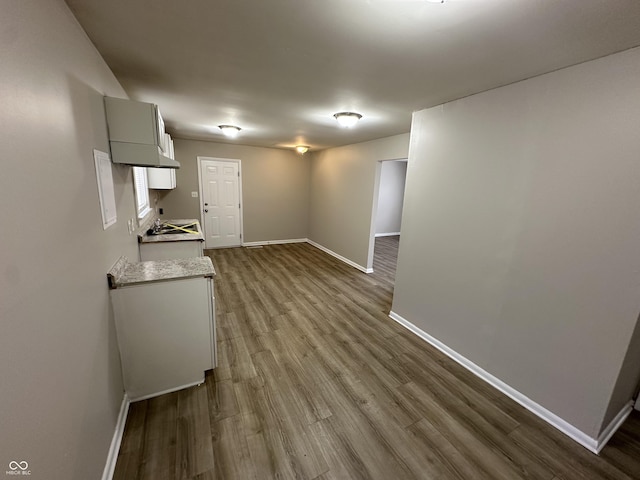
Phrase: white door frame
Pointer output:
(374, 210)
(374, 214)
(218, 159)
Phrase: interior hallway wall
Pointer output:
(342, 197)
(390, 197)
(521, 235)
(275, 188)
(60, 374)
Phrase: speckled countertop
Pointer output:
(174, 237)
(124, 273)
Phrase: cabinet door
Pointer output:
(212, 325)
(161, 132)
(134, 122)
(169, 146)
(164, 335)
(170, 250)
(161, 178)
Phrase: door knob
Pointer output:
(206, 204)
(206, 211)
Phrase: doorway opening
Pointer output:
(220, 184)
(387, 217)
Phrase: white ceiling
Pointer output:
(280, 69)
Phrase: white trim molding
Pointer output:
(169, 390)
(273, 242)
(590, 443)
(340, 257)
(613, 426)
(388, 234)
(112, 456)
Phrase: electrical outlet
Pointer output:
(194, 194)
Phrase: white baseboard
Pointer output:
(390, 234)
(170, 390)
(311, 242)
(273, 242)
(613, 426)
(340, 257)
(590, 443)
(112, 457)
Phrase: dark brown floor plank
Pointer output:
(230, 450)
(161, 428)
(193, 439)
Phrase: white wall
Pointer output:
(390, 197)
(275, 188)
(342, 198)
(521, 235)
(60, 375)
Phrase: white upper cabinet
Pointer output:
(134, 122)
(168, 142)
(136, 134)
(163, 178)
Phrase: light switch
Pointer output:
(194, 194)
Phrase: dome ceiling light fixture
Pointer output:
(347, 119)
(302, 149)
(230, 131)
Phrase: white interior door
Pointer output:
(220, 202)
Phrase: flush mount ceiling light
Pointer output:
(302, 149)
(347, 119)
(230, 131)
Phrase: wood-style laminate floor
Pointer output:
(316, 382)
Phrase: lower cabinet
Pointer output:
(170, 250)
(166, 334)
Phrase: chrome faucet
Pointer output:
(157, 225)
